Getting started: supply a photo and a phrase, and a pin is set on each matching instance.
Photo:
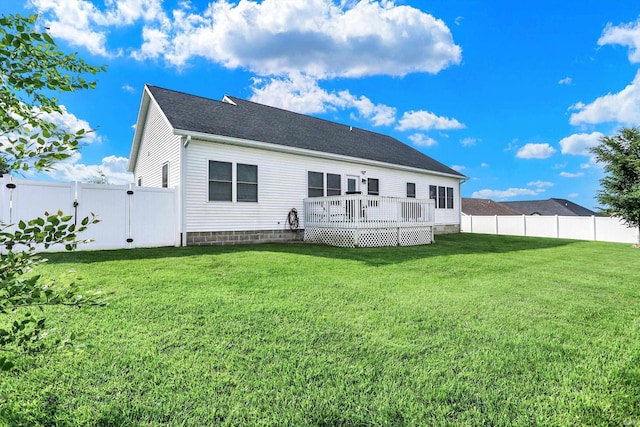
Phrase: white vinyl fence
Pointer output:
(130, 217)
(604, 229)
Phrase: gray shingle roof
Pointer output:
(256, 122)
(486, 207)
(551, 206)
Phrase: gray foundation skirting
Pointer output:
(209, 238)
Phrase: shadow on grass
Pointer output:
(453, 244)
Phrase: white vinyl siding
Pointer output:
(158, 146)
(283, 185)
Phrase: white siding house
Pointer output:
(241, 167)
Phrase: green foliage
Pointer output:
(33, 69)
(620, 155)
(472, 331)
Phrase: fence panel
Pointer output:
(129, 217)
(576, 227)
(31, 199)
(154, 216)
(111, 205)
(604, 229)
(614, 230)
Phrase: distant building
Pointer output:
(553, 206)
(486, 207)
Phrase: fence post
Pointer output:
(595, 230)
(496, 224)
(524, 225)
(557, 226)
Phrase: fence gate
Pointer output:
(129, 216)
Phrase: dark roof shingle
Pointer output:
(486, 207)
(256, 122)
(551, 206)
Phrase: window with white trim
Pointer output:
(443, 196)
(373, 186)
(411, 190)
(165, 175)
(247, 183)
(220, 181)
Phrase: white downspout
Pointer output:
(183, 192)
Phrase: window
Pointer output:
(315, 184)
(433, 193)
(411, 190)
(449, 197)
(247, 183)
(165, 175)
(373, 186)
(443, 196)
(333, 185)
(220, 181)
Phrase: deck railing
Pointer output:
(362, 220)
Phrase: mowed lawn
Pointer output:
(473, 330)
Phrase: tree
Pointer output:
(33, 70)
(620, 193)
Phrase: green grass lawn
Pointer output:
(473, 330)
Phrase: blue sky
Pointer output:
(510, 93)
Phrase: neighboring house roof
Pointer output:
(551, 206)
(486, 207)
(246, 120)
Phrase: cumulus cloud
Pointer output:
(302, 94)
(571, 175)
(622, 107)
(565, 81)
(114, 169)
(422, 140)
(426, 120)
(272, 37)
(580, 143)
(458, 168)
(535, 151)
(504, 194)
(627, 35)
(540, 184)
(469, 142)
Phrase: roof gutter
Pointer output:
(303, 151)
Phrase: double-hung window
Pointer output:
(373, 187)
(165, 175)
(333, 185)
(247, 183)
(315, 184)
(222, 182)
(443, 196)
(411, 190)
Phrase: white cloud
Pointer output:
(580, 143)
(625, 35)
(458, 168)
(469, 142)
(128, 88)
(535, 151)
(422, 140)
(622, 107)
(504, 194)
(114, 168)
(271, 37)
(426, 120)
(573, 195)
(571, 175)
(484, 165)
(565, 81)
(302, 94)
(540, 184)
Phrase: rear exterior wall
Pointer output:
(282, 185)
